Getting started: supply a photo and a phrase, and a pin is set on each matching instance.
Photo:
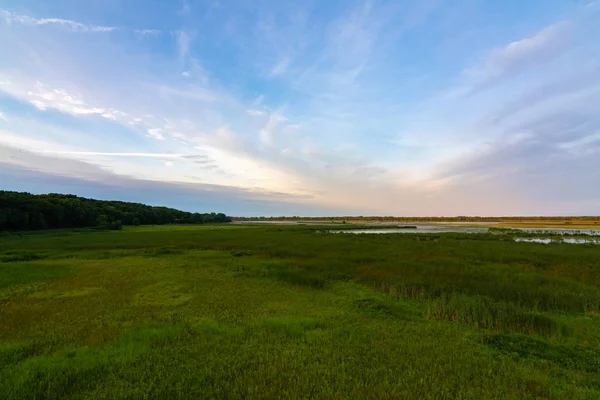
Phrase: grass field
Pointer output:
(291, 312)
(576, 224)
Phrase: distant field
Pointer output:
(553, 224)
(537, 223)
(234, 311)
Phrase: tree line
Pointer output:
(25, 211)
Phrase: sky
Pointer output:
(339, 107)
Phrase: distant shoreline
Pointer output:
(542, 223)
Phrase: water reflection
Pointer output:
(563, 240)
(418, 229)
(561, 231)
(438, 228)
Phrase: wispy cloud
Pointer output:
(185, 9)
(73, 25)
(587, 79)
(511, 59)
(349, 81)
(183, 45)
(97, 153)
(191, 92)
(2, 117)
(114, 114)
(45, 97)
(594, 4)
(147, 32)
(156, 133)
(258, 101)
(280, 68)
(48, 172)
(189, 65)
(255, 113)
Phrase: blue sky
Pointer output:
(427, 107)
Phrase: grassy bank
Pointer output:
(293, 312)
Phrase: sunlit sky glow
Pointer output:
(265, 107)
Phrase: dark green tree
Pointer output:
(23, 211)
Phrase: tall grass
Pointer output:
(286, 312)
(482, 313)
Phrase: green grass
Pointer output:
(293, 312)
(13, 274)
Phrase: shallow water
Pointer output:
(419, 229)
(440, 228)
(564, 240)
(561, 231)
(433, 227)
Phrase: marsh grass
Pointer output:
(482, 313)
(71, 370)
(21, 256)
(286, 312)
(575, 357)
(20, 273)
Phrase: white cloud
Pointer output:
(3, 117)
(135, 121)
(114, 114)
(258, 101)
(109, 116)
(593, 4)
(581, 143)
(518, 55)
(189, 65)
(185, 8)
(280, 68)
(73, 25)
(36, 168)
(343, 103)
(156, 133)
(183, 45)
(267, 134)
(43, 96)
(190, 92)
(179, 135)
(61, 101)
(255, 113)
(147, 32)
(20, 141)
(169, 164)
(98, 153)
